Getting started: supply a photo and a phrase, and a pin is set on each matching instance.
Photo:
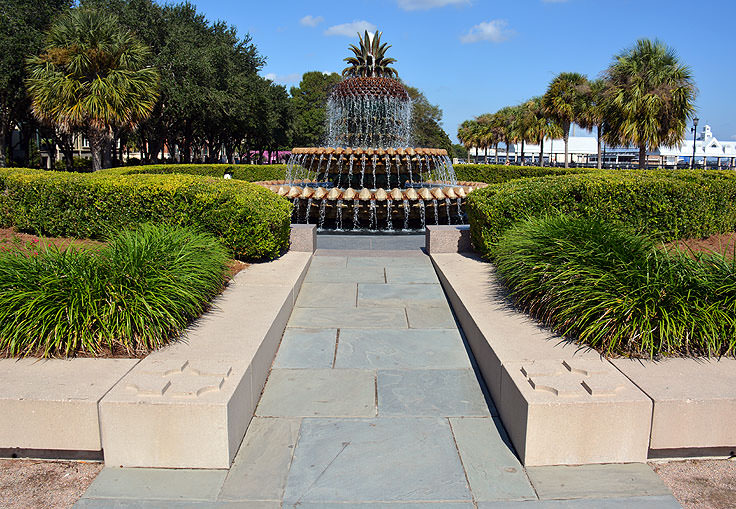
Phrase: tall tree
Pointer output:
(92, 74)
(426, 122)
(564, 101)
(22, 30)
(593, 114)
(649, 99)
(309, 101)
(467, 133)
(505, 120)
(541, 125)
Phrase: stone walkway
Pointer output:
(373, 402)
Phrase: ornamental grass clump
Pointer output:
(616, 291)
(130, 297)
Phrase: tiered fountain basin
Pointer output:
(371, 209)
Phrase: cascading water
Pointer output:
(369, 124)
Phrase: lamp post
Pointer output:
(695, 135)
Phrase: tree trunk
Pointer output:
(3, 146)
(486, 154)
(522, 153)
(600, 152)
(541, 151)
(97, 145)
(567, 139)
(496, 156)
(642, 157)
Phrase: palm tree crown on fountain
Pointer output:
(369, 176)
(370, 59)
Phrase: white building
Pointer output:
(583, 150)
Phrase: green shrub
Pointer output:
(250, 220)
(79, 164)
(667, 205)
(499, 173)
(614, 290)
(134, 295)
(247, 172)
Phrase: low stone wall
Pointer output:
(187, 405)
(565, 404)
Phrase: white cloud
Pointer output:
(311, 21)
(350, 29)
(495, 30)
(422, 5)
(286, 78)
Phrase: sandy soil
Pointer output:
(723, 243)
(11, 239)
(32, 484)
(701, 484)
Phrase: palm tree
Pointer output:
(92, 75)
(650, 98)
(593, 113)
(369, 59)
(564, 101)
(467, 133)
(505, 119)
(541, 126)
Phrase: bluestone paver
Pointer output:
(386, 349)
(656, 502)
(332, 262)
(103, 503)
(307, 348)
(157, 484)
(357, 318)
(422, 317)
(355, 262)
(329, 295)
(262, 463)
(326, 274)
(596, 481)
(389, 505)
(415, 274)
(494, 472)
(318, 392)
(388, 295)
(375, 460)
(430, 392)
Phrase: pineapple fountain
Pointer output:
(369, 177)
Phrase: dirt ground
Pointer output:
(33, 484)
(700, 484)
(723, 243)
(11, 239)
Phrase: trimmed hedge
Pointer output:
(251, 221)
(247, 172)
(666, 205)
(499, 173)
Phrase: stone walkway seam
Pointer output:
(362, 409)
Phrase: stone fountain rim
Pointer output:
(401, 151)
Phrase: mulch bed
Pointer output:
(722, 243)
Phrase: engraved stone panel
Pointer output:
(179, 379)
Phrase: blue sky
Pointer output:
(476, 56)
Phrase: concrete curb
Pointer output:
(559, 402)
(185, 406)
(52, 404)
(188, 405)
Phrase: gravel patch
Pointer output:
(32, 484)
(700, 484)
